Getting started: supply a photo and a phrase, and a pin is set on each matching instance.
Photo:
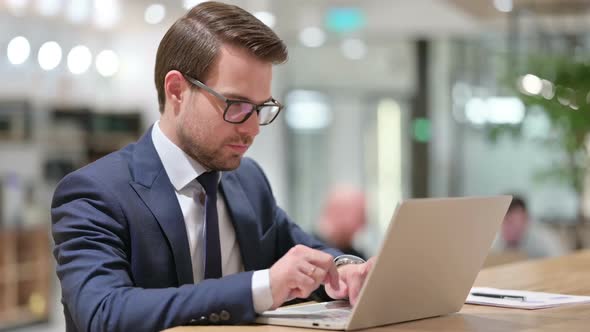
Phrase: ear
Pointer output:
(175, 85)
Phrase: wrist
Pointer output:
(347, 259)
(262, 295)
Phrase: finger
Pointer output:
(369, 264)
(326, 262)
(323, 261)
(302, 280)
(319, 275)
(355, 283)
(306, 268)
(314, 272)
(341, 293)
(316, 257)
(333, 277)
(320, 259)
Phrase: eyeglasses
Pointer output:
(238, 111)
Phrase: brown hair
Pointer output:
(192, 44)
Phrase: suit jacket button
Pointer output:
(203, 320)
(214, 318)
(224, 315)
(193, 321)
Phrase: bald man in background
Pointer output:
(344, 215)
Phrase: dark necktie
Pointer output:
(209, 182)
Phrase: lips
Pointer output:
(240, 148)
(240, 145)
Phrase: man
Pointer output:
(152, 236)
(520, 234)
(343, 217)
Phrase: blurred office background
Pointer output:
(401, 99)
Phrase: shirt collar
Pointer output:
(180, 167)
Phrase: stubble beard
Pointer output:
(208, 157)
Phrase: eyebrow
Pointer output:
(235, 96)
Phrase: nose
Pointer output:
(250, 127)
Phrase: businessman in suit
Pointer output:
(178, 228)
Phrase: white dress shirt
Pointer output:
(182, 171)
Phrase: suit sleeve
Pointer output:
(92, 251)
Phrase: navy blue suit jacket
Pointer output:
(122, 250)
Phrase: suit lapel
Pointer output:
(153, 186)
(243, 219)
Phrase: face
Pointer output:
(514, 226)
(199, 128)
(345, 214)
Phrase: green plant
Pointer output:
(565, 99)
(560, 88)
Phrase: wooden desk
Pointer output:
(569, 274)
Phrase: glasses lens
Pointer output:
(237, 112)
(267, 113)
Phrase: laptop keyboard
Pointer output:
(331, 315)
(326, 312)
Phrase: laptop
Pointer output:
(427, 263)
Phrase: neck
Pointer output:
(168, 129)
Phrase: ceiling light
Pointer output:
(308, 110)
(531, 84)
(154, 13)
(548, 90)
(476, 111)
(495, 110)
(49, 55)
(18, 50)
(507, 110)
(312, 37)
(345, 19)
(79, 59)
(107, 63)
(354, 49)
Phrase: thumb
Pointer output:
(341, 293)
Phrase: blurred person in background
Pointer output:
(343, 217)
(521, 234)
(178, 228)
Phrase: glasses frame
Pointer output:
(228, 102)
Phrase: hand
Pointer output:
(352, 278)
(299, 272)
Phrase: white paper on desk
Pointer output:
(533, 300)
